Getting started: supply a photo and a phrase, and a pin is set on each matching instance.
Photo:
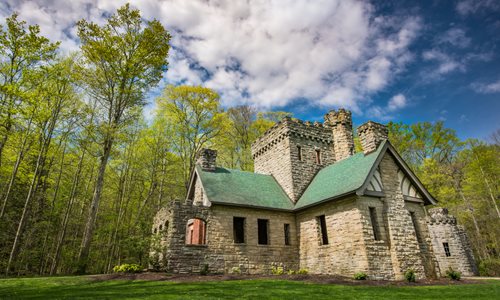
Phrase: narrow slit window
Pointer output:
(322, 228)
(287, 234)
(416, 226)
(299, 152)
(318, 156)
(263, 231)
(375, 227)
(239, 230)
(446, 249)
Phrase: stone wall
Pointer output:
(340, 123)
(345, 253)
(277, 153)
(444, 229)
(403, 244)
(371, 134)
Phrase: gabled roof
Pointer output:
(234, 187)
(341, 178)
(349, 176)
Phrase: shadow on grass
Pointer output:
(82, 288)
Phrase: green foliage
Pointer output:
(291, 272)
(235, 270)
(410, 275)
(453, 275)
(360, 276)
(303, 271)
(489, 267)
(276, 270)
(127, 268)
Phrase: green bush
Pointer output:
(410, 275)
(303, 272)
(490, 267)
(453, 275)
(235, 270)
(360, 276)
(204, 270)
(277, 270)
(127, 268)
(291, 272)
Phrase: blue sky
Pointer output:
(405, 61)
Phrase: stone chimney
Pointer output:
(341, 124)
(207, 159)
(371, 134)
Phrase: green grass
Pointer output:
(83, 288)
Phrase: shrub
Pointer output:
(204, 270)
(127, 268)
(490, 267)
(453, 275)
(291, 272)
(360, 276)
(410, 275)
(277, 270)
(302, 271)
(235, 270)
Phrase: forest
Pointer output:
(83, 170)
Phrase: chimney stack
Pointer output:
(207, 159)
(371, 134)
(341, 124)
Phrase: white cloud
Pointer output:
(455, 37)
(467, 7)
(446, 63)
(266, 53)
(488, 88)
(397, 102)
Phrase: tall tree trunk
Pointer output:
(64, 225)
(20, 156)
(94, 206)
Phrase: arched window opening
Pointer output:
(155, 231)
(166, 226)
(196, 232)
(161, 227)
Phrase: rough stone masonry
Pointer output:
(311, 204)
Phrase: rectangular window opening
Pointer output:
(322, 227)
(262, 230)
(287, 234)
(299, 151)
(446, 249)
(416, 226)
(318, 156)
(374, 221)
(239, 230)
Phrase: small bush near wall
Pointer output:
(453, 275)
(360, 276)
(204, 270)
(127, 268)
(410, 275)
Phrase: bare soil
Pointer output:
(320, 279)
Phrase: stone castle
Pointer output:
(312, 204)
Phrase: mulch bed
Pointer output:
(321, 279)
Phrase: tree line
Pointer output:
(82, 172)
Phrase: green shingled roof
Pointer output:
(338, 179)
(226, 186)
(234, 187)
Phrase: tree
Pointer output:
(121, 61)
(195, 117)
(23, 51)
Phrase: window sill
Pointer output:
(196, 245)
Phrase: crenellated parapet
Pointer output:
(306, 130)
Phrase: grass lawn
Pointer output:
(82, 287)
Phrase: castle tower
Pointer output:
(371, 134)
(340, 123)
(293, 152)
